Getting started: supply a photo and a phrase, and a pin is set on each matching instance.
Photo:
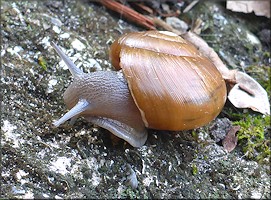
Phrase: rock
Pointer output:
(177, 24)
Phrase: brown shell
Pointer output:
(173, 85)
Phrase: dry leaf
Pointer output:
(204, 48)
(230, 141)
(246, 93)
(260, 8)
(128, 13)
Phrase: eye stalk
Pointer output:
(75, 71)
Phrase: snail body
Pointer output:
(166, 85)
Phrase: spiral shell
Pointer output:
(173, 85)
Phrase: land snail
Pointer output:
(164, 83)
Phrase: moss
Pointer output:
(194, 134)
(221, 29)
(195, 169)
(254, 138)
(42, 62)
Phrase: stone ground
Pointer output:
(84, 161)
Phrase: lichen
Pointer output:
(130, 193)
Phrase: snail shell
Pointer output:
(173, 85)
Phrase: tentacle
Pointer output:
(80, 107)
(72, 67)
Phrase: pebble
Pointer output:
(177, 23)
(132, 179)
(64, 35)
(78, 45)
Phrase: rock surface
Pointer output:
(83, 161)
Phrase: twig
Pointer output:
(128, 13)
(190, 6)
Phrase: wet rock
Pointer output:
(80, 160)
(220, 128)
(265, 35)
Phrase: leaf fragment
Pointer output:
(230, 141)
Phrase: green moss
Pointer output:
(254, 138)
(42, 62)
(195, 169)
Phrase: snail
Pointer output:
(163, 83)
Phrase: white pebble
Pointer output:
(64, 35)
(56, 29)
(78, 45)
